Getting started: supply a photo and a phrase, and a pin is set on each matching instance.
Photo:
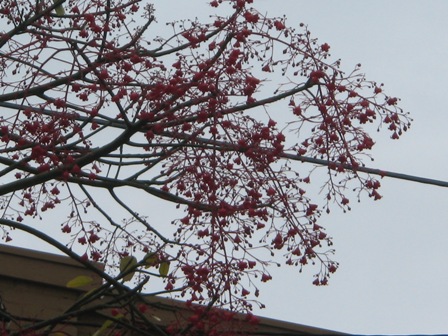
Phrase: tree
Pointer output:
(98, 116)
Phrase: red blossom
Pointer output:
(325, 47)
(279, 25)
(266, 277)
(245, 292)
(66, 229)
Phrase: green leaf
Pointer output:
(59, 9)
(150, 259)
(127, 265)
(79, 281)
(106, 325)
(164, 268)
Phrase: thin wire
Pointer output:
(368, 170)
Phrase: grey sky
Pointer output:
(393, 254)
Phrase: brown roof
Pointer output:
(33, 288)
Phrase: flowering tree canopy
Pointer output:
(222, 119)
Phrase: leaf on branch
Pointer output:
(59, 9)
(150, 259)
(164, 268)
(127, 265)
(106, 325)
(79, 281)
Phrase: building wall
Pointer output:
(33, 288)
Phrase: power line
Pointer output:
(380, 172)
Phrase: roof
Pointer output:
(33, 288)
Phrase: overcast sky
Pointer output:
(393, 253)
